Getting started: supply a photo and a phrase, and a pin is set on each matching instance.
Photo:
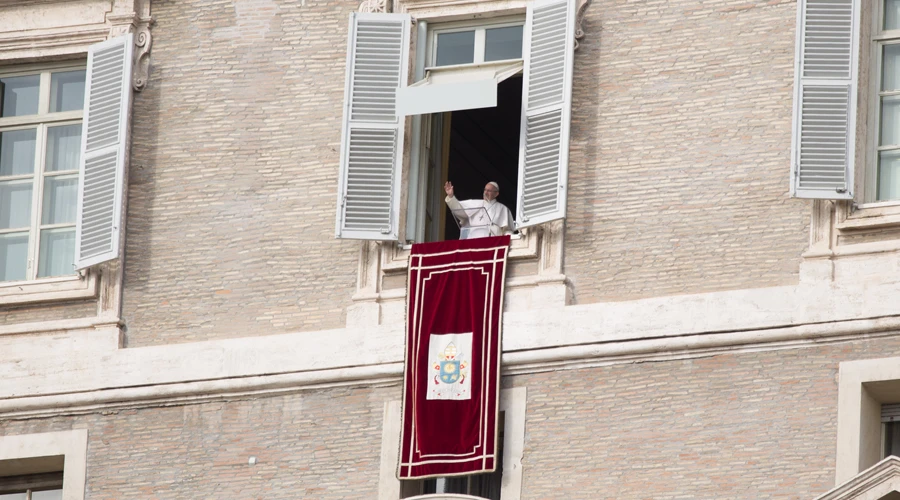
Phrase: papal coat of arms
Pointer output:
(448, 356)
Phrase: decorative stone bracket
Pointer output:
(143, 40)
(579, 20)
(377, 6)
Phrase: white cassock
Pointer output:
(481, 218)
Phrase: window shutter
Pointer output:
(824, 99)
(372, 132)
(546, 105)
(104, 148)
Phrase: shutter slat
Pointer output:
(372, 134)
(103, 155)
(825, 95)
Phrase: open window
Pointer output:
(471, 95)
(62, 160)
(491, 102)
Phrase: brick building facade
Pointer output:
(687, 330)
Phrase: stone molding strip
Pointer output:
(528, 361)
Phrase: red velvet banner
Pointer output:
(451, 380)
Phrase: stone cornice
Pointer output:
(57, 30)
(149, 376)
(58, 368)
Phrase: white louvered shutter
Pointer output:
(546, 106)
(104, 149)
(372, 133)
(824, 99)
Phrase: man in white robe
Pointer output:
(481, 218)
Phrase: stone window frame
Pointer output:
(863, 386)
(512, 403)
(65, 33)
(68, 287)
(21, 450)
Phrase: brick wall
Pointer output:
(321, 445)
(234, 173)
(680, 152)
(746, 425)
(48, 312)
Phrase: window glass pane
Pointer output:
(890, 71)
(13, 496)
(47, 494)
(57, 254)
(889, 175)
(455, 48)
(17, 151)
(60, 199)
(13, 258)
(15, 204)
(20, 95)
(890, 120)
(63, 148)
(891, 14)
(503, 43)
(67, 91)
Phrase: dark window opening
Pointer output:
(891, 439)
(471, 148)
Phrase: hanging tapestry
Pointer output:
(451, 383)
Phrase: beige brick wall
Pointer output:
(48, 312)
(745, 426)
(679, 169)
(234, 173)
(321, 446)
(756, 425)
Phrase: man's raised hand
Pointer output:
(448, 188)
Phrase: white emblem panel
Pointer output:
(450, 359)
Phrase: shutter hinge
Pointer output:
(386, 230)
(840, 190)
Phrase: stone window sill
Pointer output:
(49, 290)
(871, 216)
(522, 246)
